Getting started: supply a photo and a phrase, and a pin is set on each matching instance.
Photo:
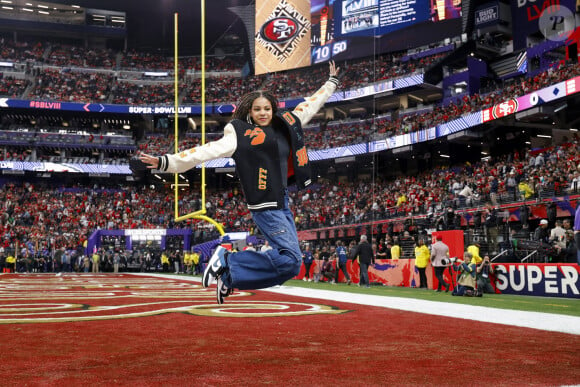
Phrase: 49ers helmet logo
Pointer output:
(505, 108)
(279, 30)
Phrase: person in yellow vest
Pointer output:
(165, 262)
(395, 249)
(422, 256)
(474, 251)
(195, 261)
(10, 264)
(96, 258)
(187, 262)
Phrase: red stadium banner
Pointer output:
(282, 35)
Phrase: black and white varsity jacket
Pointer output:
(260, 178)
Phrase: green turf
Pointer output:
(567, 306)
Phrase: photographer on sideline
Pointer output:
(483, 272)
(466, 281)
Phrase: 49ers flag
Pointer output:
(282, 35)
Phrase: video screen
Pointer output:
(346, 29)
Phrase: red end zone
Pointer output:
(141, 330)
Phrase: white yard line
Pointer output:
(536, 320)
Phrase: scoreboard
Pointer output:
(287, 30)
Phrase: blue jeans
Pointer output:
(257, 270)
(364, 274)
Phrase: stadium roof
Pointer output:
(150, 22)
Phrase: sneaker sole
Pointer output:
(209, 275)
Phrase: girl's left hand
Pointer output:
(333, 69)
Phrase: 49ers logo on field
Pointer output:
(505, 108)
(279, 30)
(45, 298)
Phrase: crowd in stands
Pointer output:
(511, 178)
(21, 51)
(289, 84)
(142, 94)
(71, 86)
(75, 86)
(74, 56)
(144, 61)
(323, 136)
(10, 87)
(223, 89)
(213, 64)
(66, 216)
(160, 143)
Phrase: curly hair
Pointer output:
(245, 103)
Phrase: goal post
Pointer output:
(200, 214)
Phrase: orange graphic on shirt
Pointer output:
(257, 135)
(263, 179)
(302, 156)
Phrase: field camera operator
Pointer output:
(466, 281)
(483, 272)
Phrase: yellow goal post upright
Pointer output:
(200, 214)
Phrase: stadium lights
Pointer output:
(573, 130)
(75, 6)
(42, 6)
(528, 143)
(6, 1)
(544, 136)
(5, 7)
(27, 9)
(44, 12)
(444, 156)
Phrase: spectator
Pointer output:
(307, 259)
(439, 260)
(341, 262)
(541, 232)
(395, 249)
(328, 270)
(364, 253)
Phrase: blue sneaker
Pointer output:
(214, 267)
(222, 291)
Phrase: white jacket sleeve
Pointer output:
(307, 109)
(183, 161)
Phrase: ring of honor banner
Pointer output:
(282, 35)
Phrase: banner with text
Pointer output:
(541, 279)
